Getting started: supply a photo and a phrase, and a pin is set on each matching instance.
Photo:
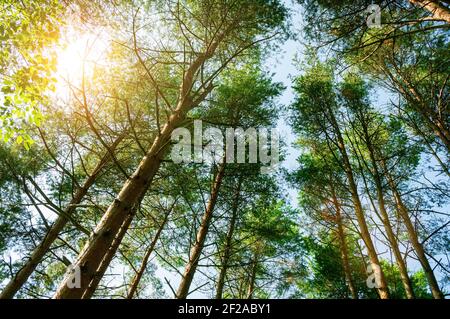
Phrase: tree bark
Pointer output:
(438, 11)
(228, 242)
(359, 212)
(196, 250)
(343, 246)
(90, 290)
(406, 280)
(432, 120)
(42, 248)
(394, 245)
(252, 279)
(418, 248)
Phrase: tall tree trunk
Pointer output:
(196, 250)
(228, 242)
(252, 278)
(343, 246)
(433, 121)
(406, 280)
(383, 290)
(94, 251)
(438, 11)
(418, 248)
(90, 290)
(137, 278)
(52, 234)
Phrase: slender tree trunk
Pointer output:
(343, 246)
(422, 107)
(420, 252)
(419, 132)
(92, 255)
(228, 243)
(97, 277)
(252, 279)
(407, 284)
(52, 234)
(438, 11)
(406, 281)
(137, 278)
(440, 131)
(444, 133)
(383, 288)
(409, 92)
(196, 250)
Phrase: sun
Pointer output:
(78, 54)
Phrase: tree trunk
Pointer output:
(409, 92)
(196, 250)
(252, 279)
(394, 246)
(43, 247)
(228, 242)
(137, 278)
(92, 255)
(438, 11)
(383, 288)
(433, 121)
(90, 290)
(343, 246)
(428, 144)
(406, 281)
(444, 133)
(435, 290)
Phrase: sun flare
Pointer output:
(78, 56)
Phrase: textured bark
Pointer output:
(137, 278)
(93, 253)
(418, 247)
(343, 246)
(196, 250)
(90, 290)
(438, 11)
(52, 234)
(228, 242)
(135, 187)
(383, 290)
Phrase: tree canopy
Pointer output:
(145, 149)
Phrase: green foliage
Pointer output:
(50, 148)
(419, 282)
(28, 30)
(324, 276)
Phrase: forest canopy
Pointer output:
(224, 149)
